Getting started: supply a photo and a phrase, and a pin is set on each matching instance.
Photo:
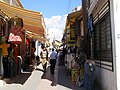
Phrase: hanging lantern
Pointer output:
(15, 33)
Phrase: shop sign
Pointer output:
(72, 33)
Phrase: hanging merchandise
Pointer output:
(16, 21)
(15, 33)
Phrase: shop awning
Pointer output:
(33, 21)
(35, 36)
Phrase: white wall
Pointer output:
(115, 16)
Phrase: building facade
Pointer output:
(33, 27)
(74, 29)
(103, 19)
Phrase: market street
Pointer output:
(39, 81)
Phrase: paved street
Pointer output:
(37, 80)
(60, 81)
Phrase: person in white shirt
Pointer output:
(53, 57)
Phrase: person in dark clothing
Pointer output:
(53, 57)
(64, 52)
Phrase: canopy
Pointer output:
(33, 21)
(36, 36)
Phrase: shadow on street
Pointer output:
(49, 77)
(21, 78)
(63, 78)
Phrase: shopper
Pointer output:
(43, 55)
(53, 57)
(4, 47)
(89, 74)
(64, 52)
(33, 58)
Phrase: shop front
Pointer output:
(20, 27)
(74, 40)
(3, 32)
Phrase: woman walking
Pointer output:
(43, 55)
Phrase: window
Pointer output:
(103, 43)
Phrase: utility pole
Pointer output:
(85, 15)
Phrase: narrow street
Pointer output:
(60, 81)
(37, 80)
(83, 34)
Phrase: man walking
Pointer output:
(53, 57)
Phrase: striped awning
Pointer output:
(35, 36)
(33, 21)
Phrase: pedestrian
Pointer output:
(53, 57)
(64, 52)
(43, 55)
(38, 59)
(49, 51)
(89, 74)
(4, 47)
(46, 54)
(33, 58)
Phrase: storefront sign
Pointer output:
(15, 38)
(72, 33)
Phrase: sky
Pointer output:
(54, 13)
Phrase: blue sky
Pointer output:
(51, 7)
(54, 13)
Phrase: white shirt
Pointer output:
(52, 55)
(44, 53)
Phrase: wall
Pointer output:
(115, 20)
(105, 79)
